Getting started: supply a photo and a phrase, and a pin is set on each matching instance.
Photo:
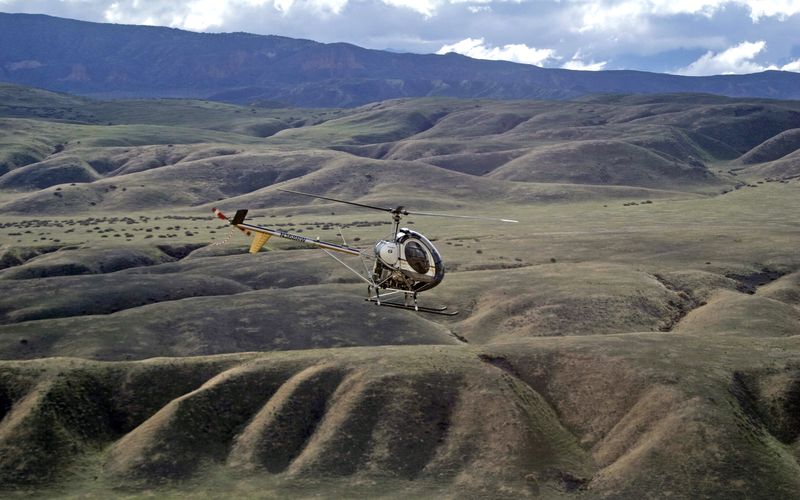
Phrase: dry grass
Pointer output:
(634, 335)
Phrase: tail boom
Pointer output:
(262, 234)
(302, 239)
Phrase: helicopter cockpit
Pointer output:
(416, 257)
(410, 262)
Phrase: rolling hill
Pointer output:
(634, 335)
(513, 151)
(506, 421)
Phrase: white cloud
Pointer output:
(521, 53)
(202, 15)
(425, 7)
(739, 59)
(792, 66)
(197, 15)
(430, 8)
(770, 8)
(612, 15)
(735, 60)
(577, 63)
(312, 6)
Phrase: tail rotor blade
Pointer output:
(219, 214)
(238, 219)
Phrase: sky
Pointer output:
(700, 37)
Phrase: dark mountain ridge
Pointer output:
(109, 60)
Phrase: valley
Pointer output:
(637, 333)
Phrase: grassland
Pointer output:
(635, 335)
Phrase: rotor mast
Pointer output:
(397, 214)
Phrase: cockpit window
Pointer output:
(416, 257)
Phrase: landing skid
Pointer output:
(431, 310)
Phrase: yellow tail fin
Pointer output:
(258, 241)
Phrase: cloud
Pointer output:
(521, 53)
(612, 15)
(196, 15)
(577, 63)
(425, 7)
(735, 60)
(792, 66)
(773, 8)
(478, 48)
(203, 15)
(739, 59)
(430, 8)
(315, 7)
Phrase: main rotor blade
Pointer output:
(476, 217)
(383, 209)
(398, 210)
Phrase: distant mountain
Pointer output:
(109, 60)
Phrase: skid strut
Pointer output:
(409, 302)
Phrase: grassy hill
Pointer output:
(162, 159)
(510, 420)
(634, 335)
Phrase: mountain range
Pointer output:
(113, 61)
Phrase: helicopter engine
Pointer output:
(410, 262)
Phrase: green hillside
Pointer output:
(633, 336)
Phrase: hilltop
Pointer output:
(67, 155)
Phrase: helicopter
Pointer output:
(406, 262)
